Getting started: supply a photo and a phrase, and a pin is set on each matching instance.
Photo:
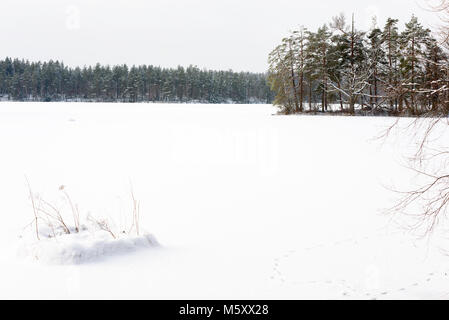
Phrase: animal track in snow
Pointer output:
(347, 290)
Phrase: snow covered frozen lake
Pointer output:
(245, 205)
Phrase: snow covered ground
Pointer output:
(79, 247)
(245, 205)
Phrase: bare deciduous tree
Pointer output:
(442, 8)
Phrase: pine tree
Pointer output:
(300, 47)
(391, 45)
(377, 62)
(413, 41)
(318, 57)
(279, 77)
(355, 72)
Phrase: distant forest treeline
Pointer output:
(22, 80)
(341, 69)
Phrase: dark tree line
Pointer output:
(341, 69)
(53, 81)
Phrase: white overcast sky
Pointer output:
(217, 34)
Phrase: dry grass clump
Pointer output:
(50, 215)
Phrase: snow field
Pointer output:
(246, 205)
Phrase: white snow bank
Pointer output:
(78, 248)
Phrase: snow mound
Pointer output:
(84, 246)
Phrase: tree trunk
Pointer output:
(310, 95)
(413, 106)
(375, 88)
(295, 93)
(352, 105)
(301, 92)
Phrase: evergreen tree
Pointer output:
(319, 45)
(354, 69)
(377, 62)
(390, 40)
(413, 42)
